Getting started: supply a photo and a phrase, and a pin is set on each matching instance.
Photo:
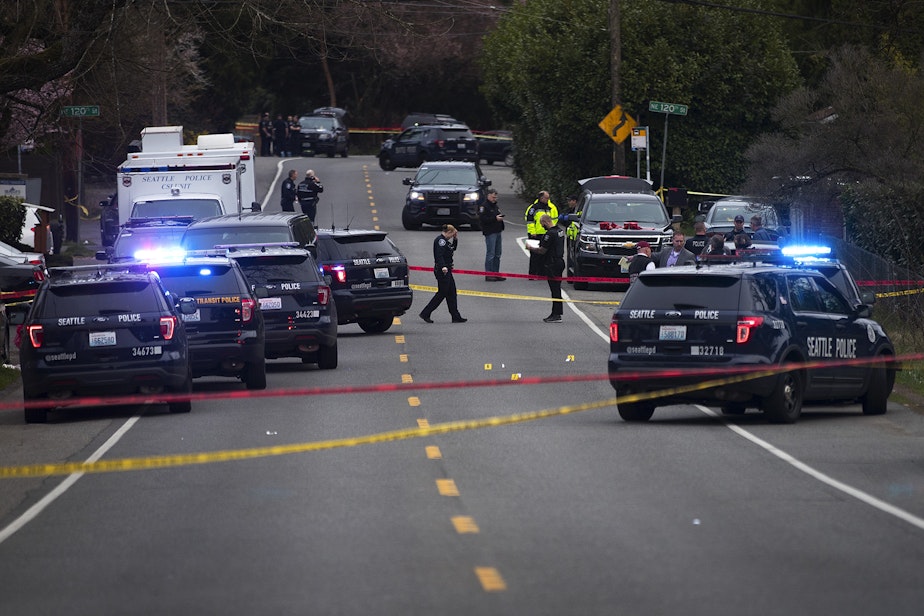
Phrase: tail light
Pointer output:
(746, 325)
(337, 272)
(36, 336)
(247, 308)
(167, 327)
(323, 294)
(614, 330)
(38, 275)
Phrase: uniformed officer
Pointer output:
(307, 193)
(288, 192)
(534, 230)
(551, 250)
(443, 248)
(739, 235)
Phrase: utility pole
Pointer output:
(619, 150)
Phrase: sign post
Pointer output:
(640, 142)
(667, 109)
(80, 112)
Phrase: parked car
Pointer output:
(720, 216)
(445, 192)
(323, 132)
(104, 330)
(428, 142)
(368, 276)
(496, 146)
(418, 117)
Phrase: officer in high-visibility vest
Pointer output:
(534, 230)
(570, 217)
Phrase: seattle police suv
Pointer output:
(680, 327)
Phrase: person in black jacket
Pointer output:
(307, 192)
(492, 223)
(287, 196)
(443, 248)
(552, 249)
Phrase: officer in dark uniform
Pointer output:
(266, 134)
(739, 235)
(288, 193)
(307, 192)
(552, 251)
(443, 248)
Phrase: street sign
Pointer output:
(81, 111)
(674, 108)
(617, 124)
(640, 138)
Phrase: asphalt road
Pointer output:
(577, 513)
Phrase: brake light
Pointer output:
(36, 336)
(339, 273)
(247, 307)
(614, 330)
(167, 327)
(323, 294)
(745, 326)
(38, 275)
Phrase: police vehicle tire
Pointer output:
(733, 408)
(385, 163)
(635, 411)
(182, 406)
(345, 152)
(375, 326)
(581, 286)
(327, 357)
(876, 399)
(409, 223)
(35, 414)
(784, 405)
(254, 375)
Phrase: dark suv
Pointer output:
(255, 228)
(418, 144)
(614, 213)
(226, 332)
(368, 275)
(300, 316)
(496, 146)
(680, 327)
(444, 192)
(143, 239)
(103, 330)
(323, 132)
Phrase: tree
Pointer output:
(547, 73)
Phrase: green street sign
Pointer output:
(674, 108)
(81, 111)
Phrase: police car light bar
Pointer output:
(264, 246)
(160, 255)
(803, 250)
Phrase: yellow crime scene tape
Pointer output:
(178, 460)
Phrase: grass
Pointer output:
(8, 377)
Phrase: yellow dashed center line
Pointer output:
(403, 358)
(490, 578)
(434, 453)
(413, 401)
(399, 339)
(407, 378)
(447, 487)
(464, 524)
(423, 423)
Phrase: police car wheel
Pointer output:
(733, 408)
(875, 401)
(254, 375)
(375, 326)
(635, 411)
(327, 357)
(385, 163)
(784, 405)
(182, 406)
(35, 414)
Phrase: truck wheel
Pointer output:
(375, 326)
(327, 357)
(784, 405)
(386, 163)
(634, 411)
(875, 400)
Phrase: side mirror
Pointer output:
(407, 181)
(256, 207)
(187, 305)
(868, 297)
(863, 311)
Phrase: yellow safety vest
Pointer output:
(535, 211)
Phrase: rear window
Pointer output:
(209, 237)
(339, 248)
(194, 280)
(683, 292)
(276, 269)
(197, 208)
(103, 298)
(130, 242)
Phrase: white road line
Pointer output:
(62, 487)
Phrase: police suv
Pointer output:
(680, 327)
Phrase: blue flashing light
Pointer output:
(205, 271)
(803, 250)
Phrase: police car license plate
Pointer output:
(271, 303)
(307, 314)
(381, 272)
(442, 211)
(192, 318)
(99, 339)
(673, 332)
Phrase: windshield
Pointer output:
(316, 123)
(162, 208)
(209, 237)
(461, 176)
(626, 209)
(724, 213)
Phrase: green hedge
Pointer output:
(12, 217)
